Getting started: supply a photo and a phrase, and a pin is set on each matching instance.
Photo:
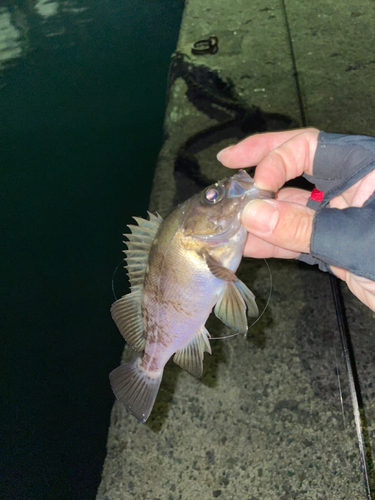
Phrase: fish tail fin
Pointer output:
(135, 389)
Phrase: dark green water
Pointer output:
(80, 130)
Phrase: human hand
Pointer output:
(282, 227)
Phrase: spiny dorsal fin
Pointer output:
(231, 305)
(127, 314)
(139, 244)
(190, 358)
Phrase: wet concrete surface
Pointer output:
(267, 420)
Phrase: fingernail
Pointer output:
(260, 216)
(218, 156)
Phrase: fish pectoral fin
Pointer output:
(190, 357)
(218, 270)
(231, 305)
(135, 389)
(127, 314)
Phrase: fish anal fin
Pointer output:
(135, 389)
(190, 357)
(127, 314)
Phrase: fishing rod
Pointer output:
(355, 389)
(342, 322)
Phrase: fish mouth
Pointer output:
(239, 184)
(242, 188)
(242, 185)
(238, 191)
(242, 176)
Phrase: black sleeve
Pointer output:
(343, 238)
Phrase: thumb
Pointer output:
(284, 224)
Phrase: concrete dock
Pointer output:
(266, 421)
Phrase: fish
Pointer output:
(180, 269)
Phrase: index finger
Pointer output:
(280, 156)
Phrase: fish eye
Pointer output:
(213, 194)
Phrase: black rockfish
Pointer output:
(179, 269)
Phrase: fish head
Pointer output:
(214, 215)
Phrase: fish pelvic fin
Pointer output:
(249, 298)
(231, 306)
(138, 247)
(190, 357)
(127, 314)
(234, 299)
(135, 389)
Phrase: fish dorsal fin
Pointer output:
(231, 305)
(127, 311)
(127, 314)
(190, 358)
(139, 244)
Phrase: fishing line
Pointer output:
(113, 278)
(339, 386)
(260, 315)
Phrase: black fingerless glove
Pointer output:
(343, 238)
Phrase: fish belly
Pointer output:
(174, 321)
